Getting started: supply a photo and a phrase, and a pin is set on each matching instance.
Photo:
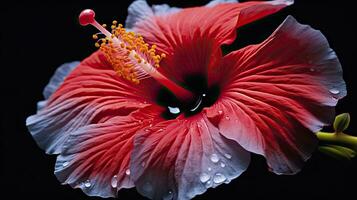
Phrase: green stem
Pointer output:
(340, 138)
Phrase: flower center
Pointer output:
(129, 55)
(204, 97)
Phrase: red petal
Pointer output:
(275, 93)
(91, 94)
(178, 159)
(191, 37)
(96, 157)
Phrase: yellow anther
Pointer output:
(104, 25)
(126, 51)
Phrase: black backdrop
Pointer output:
(37, 37)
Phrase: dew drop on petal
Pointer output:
(169, 196)
(127, 172)
(222, 164)
(227, 117)
(220, 112)
(214, 158)
(198, 125)
(203, 94)
(228, 156)
(114, 181)
(312, 69)
(219, 178)
(334, 91)
(65, 164)
(147, 130)
(208, 184)
(209, 169)
(204, 177)
(174, 110)
(87, 183)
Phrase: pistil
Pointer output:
(130, 57)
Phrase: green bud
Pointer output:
(338, 152)
(341, 122)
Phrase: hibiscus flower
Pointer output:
(163, 110)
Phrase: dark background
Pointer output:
(37, 37)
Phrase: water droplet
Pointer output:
(114, 181)
(65, 164)
(227, 117)
(87, 183)
(219, 178)
(150, 125)
(209, 169)
(174, 110)
(169, 195)
(147, 130)
(204, 177)
(203, 94)
(228, 156)
(312, 69)
(220, 112)
(214, 158)
(160, 130)
(334, 91)
(208, 184)
(127, 172)
(197, 105)
(198, 125)
(222, 164)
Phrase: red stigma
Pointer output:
(86, 17)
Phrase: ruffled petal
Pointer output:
(56, 80)
(179, 159)
(140, 10)
(275, 94)
(191, 37)
(216, 2)
(96, 157)
(91, 94)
